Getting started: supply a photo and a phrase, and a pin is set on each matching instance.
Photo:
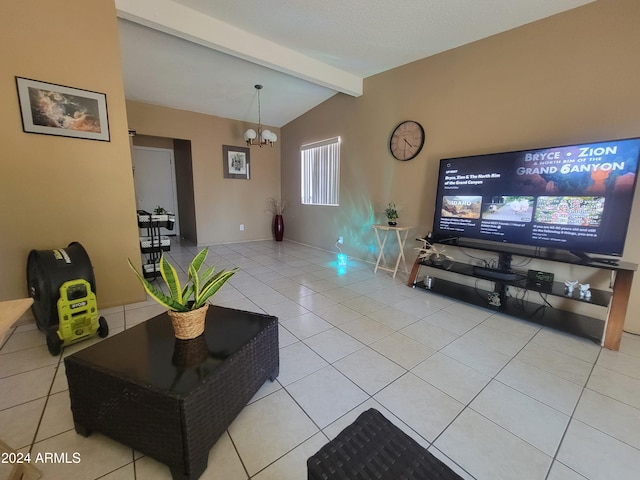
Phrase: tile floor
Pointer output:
(494, 397)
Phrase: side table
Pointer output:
(401, 235)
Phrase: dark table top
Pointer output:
(149, 354)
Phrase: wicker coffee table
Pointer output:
(172, 399)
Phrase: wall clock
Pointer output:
(406, 140)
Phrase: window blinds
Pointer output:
(320, 172)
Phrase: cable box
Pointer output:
(495, 274)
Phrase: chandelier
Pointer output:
(261, 137)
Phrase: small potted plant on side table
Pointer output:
(392, 214)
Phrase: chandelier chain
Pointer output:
(259, 112)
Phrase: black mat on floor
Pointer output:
(372, 448)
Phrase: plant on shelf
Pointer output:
(391, 213)
(182, 303)
(159, 210)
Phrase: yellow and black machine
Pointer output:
(62, 285)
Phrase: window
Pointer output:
(320, 172)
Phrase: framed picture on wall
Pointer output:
(53, 109)
(236, 162)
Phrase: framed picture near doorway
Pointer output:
(65, 111)
(235, 162)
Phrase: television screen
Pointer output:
(575, 198)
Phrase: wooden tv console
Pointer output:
(605, 331)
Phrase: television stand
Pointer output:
(606, 331)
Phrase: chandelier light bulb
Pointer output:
(250, 135)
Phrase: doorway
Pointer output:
(155, 182)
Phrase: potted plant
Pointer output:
(391, 214)
(276, 206)
(187, 306)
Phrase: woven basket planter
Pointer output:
(188, 325)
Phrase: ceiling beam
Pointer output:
(180, 21)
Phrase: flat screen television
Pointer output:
(576, 197)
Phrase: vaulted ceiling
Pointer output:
(206, 55)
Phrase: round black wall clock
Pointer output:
(406, 140)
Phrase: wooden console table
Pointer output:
(401, 235)
(10, 313)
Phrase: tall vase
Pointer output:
(278, 228)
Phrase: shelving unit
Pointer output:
(153, 244)
(606, 331)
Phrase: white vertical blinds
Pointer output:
(320, 172)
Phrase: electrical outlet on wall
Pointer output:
(340, 240)
(242, 227)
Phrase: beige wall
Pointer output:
(55, 190)
(221, 204)
(154, 142)
(569, 78)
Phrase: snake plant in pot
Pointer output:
(187, 306)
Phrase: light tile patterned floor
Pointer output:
(492, 396)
